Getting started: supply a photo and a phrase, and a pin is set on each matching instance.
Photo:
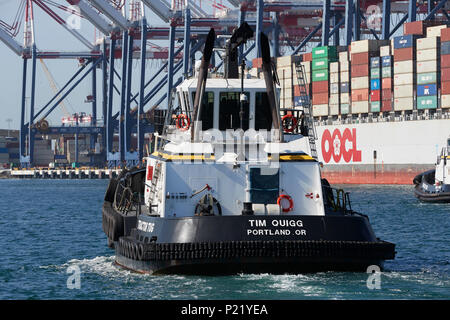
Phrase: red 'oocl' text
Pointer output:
(339, 146)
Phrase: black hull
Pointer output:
(248, 244)
(439, 197)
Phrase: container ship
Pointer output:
(381, 107)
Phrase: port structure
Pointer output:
(292, 26)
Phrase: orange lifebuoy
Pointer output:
(288, 198)
(183, 122)
(289, 123)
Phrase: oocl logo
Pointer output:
(340, 146)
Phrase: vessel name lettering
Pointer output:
(146, 226)
(340, 146)
(276, 223)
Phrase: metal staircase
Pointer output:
(305, 102)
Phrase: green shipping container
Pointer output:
(345, 108)
(329, 52)
(386, 72)
(428, 102)
(375, 73)
(375, 106)
(320, 64)
(427, 78)
(320, 75)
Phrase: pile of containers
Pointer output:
(344, 66)
(322, 57)
(404, 72)
(386, 78)
(445, 68)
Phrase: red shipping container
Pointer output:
(360, 95)
(404, 54)
(445, 87)
(386, 94)
(320, 87)
(445, 34)
(299, 92)
(445, 60)
(386, 105)
(445, 74)
(375, 95)
(360, 58)
(257, 63)
(416, 27)
(361, 70)
(386, 83)
(307, 56)
(320, 98)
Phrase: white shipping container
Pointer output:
(428, 43)
(360, 107)
(367, 45)
(334, 67)
(334, 88)
(405, 91)
(385, 51)
(343, 56)
(334, 99)
(284, 73)
(287, 83)
(435, 31)
(334, 77)
(306, 66)
(320, 110)
(427, 55)
(345, 76)
(402, 79)
(344, 66)
(345, 98)
(427, 66)
(401, 104)
(286, 61)
(407, 66)
(334, 109)
(360, 83)
(445, 101)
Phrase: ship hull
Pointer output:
(380, 152)
(250, 244)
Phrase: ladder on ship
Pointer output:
(305, 102)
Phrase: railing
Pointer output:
(337, 199)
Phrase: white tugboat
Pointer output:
(231, 187)
(434, 185)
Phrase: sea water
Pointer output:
(52, 247)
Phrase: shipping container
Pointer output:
(320, 75)
(386, 61)
(344, 66)
(360, 107)
(386, 94)
(445, 101)
(345, 76)
(445, 60)
(386, 105)
(401, 104)
(375, 106)
(445, 34)
(328, 52)
(345, 87)
(367, 45)
(428, 66)
(408, 66)
(360, 58)
(375, 95)
(435, 31)
(334, 67)
(320, 110)
(375, 62)
(360, 83)
(405, 91)
(334, 77)
(386, 72)
(406, 41)
(428, 54)
(428, 43)
(345, 108)
(445, 87)
(426, 90)
(375, 84)
(320, 87)
(386, 83)
(414, 28)
(427, 78)
(334, 109)
(343, 56)
(360, 70)
(445, 47)
(428, 102)
(360, 95)
(404, 54)
(445, 74)
(345, 98)
(334, 99)
(385, 51)
(287, 61)
(403, 79)
(334, 88)
(320, 64)
(375, 73)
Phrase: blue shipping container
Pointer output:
(375, 62)
(297, 101)
(407, 41)
(375, 84)
(445, 47)
(386, 61)
(345, 88)
(4, 150)
(426, 90)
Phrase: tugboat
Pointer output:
(434, 185)
(230, 187)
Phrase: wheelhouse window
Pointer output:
(263, 115)
(207, 110)
(229, 108)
